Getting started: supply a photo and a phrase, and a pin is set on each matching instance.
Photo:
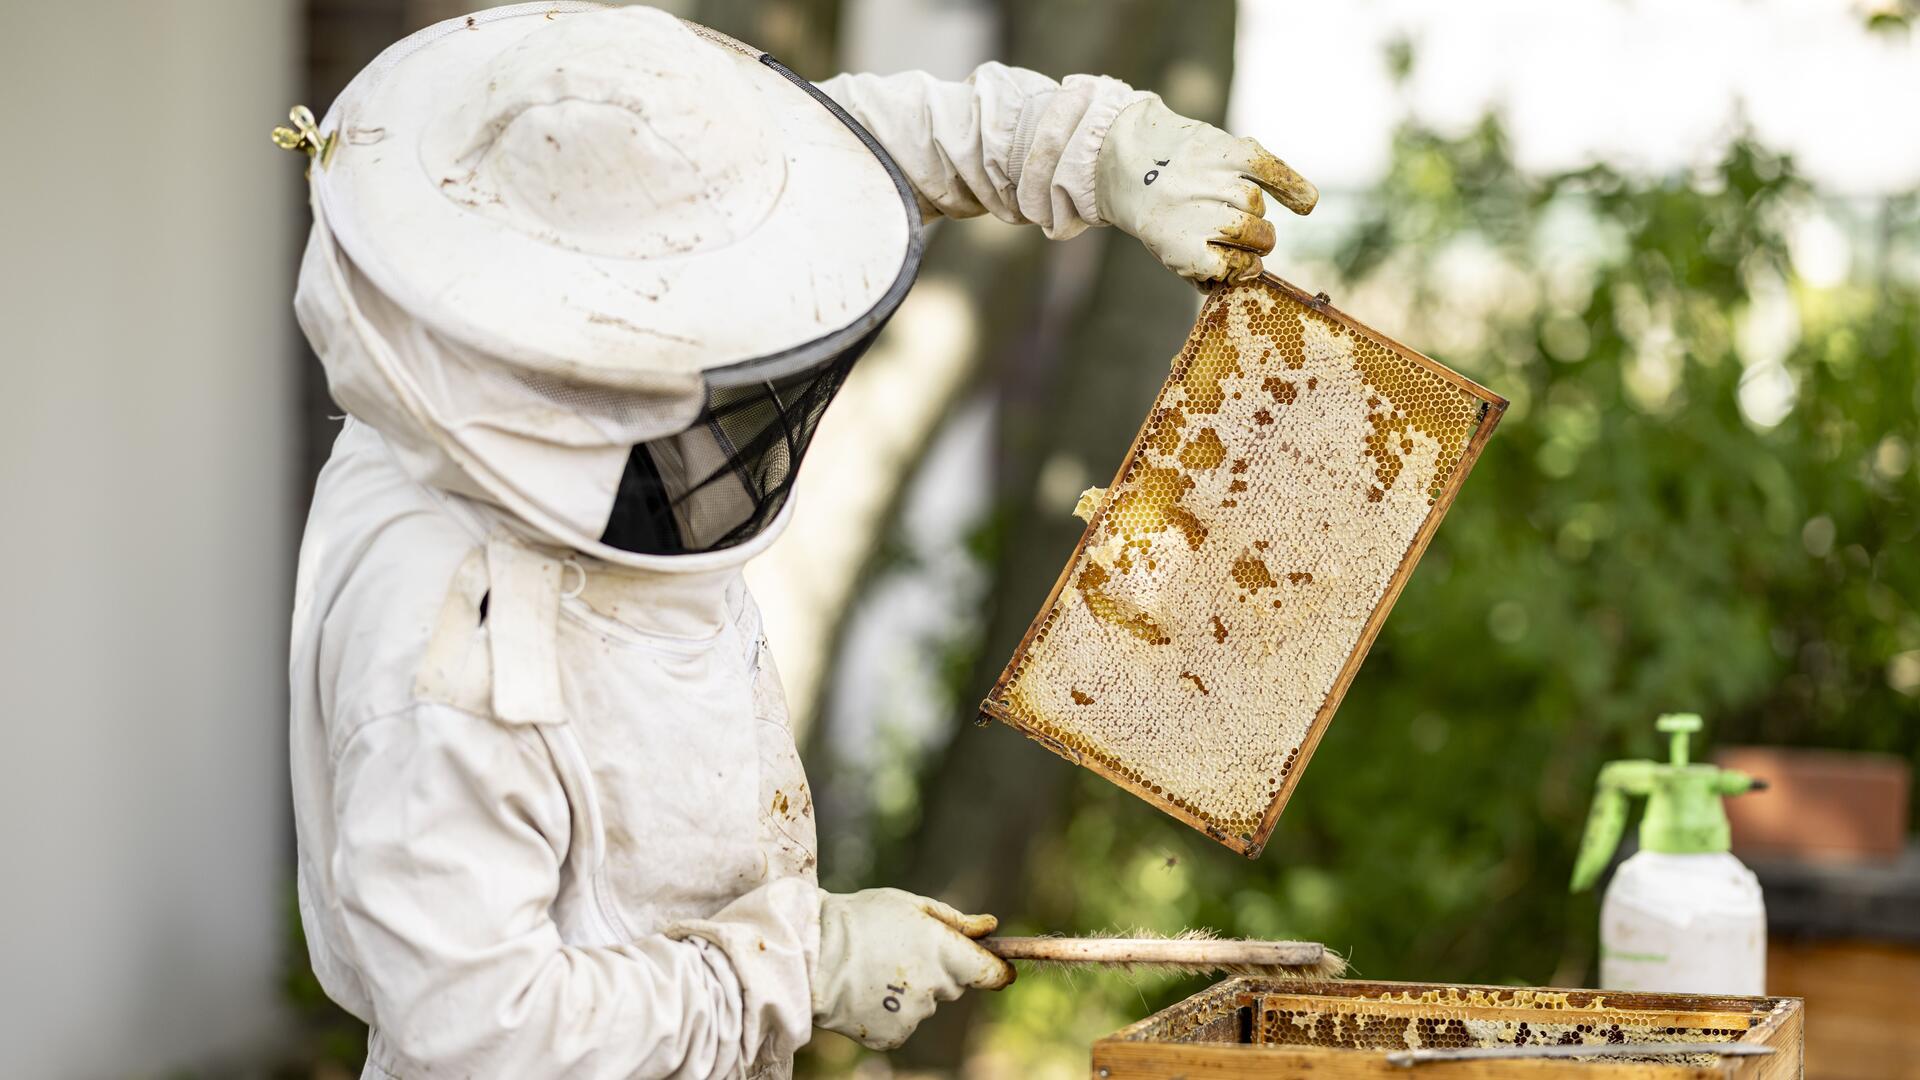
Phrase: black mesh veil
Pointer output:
(725, 478)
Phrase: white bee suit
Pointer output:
(540, 833)
(550, 815)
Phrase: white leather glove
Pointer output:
(1191, 192)
(887, 956)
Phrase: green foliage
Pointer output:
(1893, 17)
(1632, 542)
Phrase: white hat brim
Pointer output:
(825, 267)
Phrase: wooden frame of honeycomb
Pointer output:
(1253, 1027)
(1231, 579)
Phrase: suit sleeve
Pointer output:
(1008, 142)
(453, 831)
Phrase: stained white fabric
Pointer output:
(1008, 142)
(590, 193)
(548, 452)
(551, 821)
(547, 861)
(580, 134)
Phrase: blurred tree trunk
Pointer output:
(802, 34)
(1072, 391)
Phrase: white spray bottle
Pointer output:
(1682, 915)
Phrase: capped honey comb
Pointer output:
(1231, 579)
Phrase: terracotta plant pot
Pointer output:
(1821, 805)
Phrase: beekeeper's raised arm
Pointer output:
(1088, 150)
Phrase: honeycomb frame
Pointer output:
(1272, 387)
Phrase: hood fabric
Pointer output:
(549, 453)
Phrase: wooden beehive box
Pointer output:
(1325, 1030)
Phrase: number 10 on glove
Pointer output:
(888, 957)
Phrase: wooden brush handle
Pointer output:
(1190, 953)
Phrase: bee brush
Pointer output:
(1190, 953)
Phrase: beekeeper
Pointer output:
(585, 279)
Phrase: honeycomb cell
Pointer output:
(1281, 489)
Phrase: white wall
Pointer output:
(146, 494)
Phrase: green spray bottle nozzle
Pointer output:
(1684, 814)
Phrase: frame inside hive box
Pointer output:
(1254, 1027)
(1231, 579)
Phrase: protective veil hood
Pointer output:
(445, 300)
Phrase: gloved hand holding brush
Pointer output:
(1192, 193)
(886, 958)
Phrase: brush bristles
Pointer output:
(1327, 965)
(1332, 967)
